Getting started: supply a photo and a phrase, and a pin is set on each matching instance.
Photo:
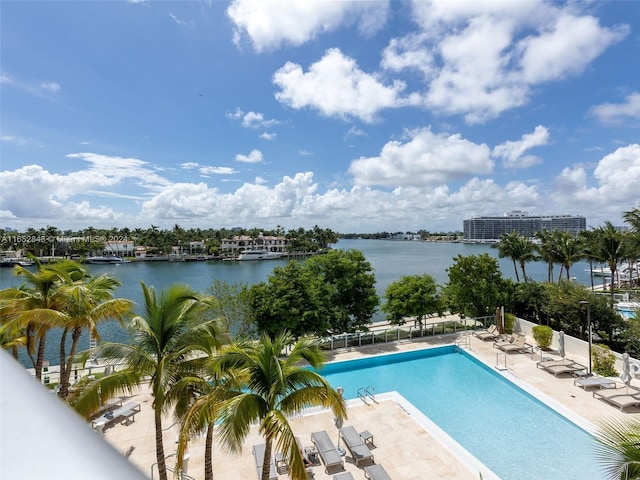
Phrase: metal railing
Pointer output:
(367, 392)
(404, 332)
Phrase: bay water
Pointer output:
(390, 259)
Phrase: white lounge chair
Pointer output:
(327, 450)
(376, 472)
(620, 397)
(599, 382)
(359, 451)
(488, 334)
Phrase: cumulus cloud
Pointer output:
(425, 159)
(271, 24)
(614, 113)
(513, 152)
(268, 136)
(255, 156)
(336, 87)
(482, 58)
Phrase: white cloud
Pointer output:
(425, 159)
(513, 152)
(270, 24)
(255, 156)
(354, 132)
(482, 58)
(614, 113)
(268, 136)
(189, 165)
(13, 139)
(53, 87)
(565, 48)
(336, 87)
(217, 170)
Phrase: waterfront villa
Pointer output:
(239, 243)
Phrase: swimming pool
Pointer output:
(507, 429)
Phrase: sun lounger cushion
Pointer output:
(326, 449)
(376, 472)
(359, 451)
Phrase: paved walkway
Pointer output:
(393, 427)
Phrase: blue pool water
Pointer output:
(510, 431)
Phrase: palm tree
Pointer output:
(87, 302)
(590, 242)
(568, 251)
(617, 448)
(274, 388)
(632, 217)
(547, 249)
(508, 248)
(36, 306)
(612, 249)
(519, 249)
(168, 342)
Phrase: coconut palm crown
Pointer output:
(273, 388)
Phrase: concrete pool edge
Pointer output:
(553, 404)
(465, 457)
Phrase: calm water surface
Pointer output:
(389, 259)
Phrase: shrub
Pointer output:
(509, 322)
(603, 361)
(542, 334)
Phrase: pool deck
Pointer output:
(402, 445)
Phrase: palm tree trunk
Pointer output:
(162, 464)
(208, 454)
(266, 463)
(62, 359)
(40, 357)
(550, 273)
(64, 379)
(524, 274)
(515, 268)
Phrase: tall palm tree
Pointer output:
(590, 243)
(519, 249)
(617, 449)
(86, 302)
(167, 346)
(274, 389)
(612, 250)
(508, 248)
(547, 249)
(568, 251)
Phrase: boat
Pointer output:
(257, 254)
(12, 262)
(106, 260)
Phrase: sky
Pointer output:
(357, 116)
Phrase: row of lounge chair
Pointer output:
(608, 390)
(358, 449)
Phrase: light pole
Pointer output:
(588, 304)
